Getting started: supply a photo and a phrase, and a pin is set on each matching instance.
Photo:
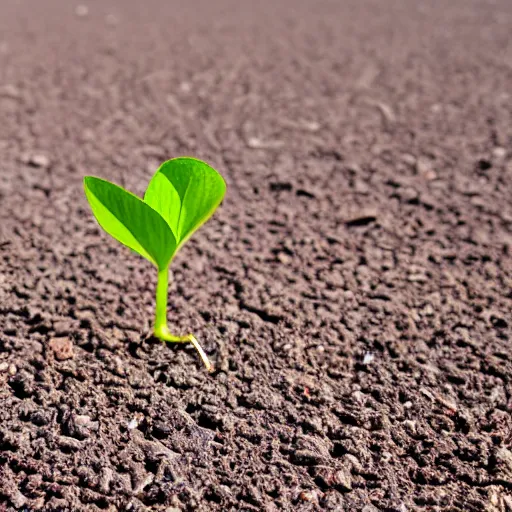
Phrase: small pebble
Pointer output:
(386, 456)
(10, 91)
(308, 496)
(185, 87)
(62, 348)
(409, 159)
(81, 10)
(133, 424)
(37, 160)
(499, 153)
(368, 358)
(284, 258)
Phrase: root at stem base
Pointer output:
(164, 334)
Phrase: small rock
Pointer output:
(410, 426)
(428, 310)
(284, 258)
(331, 477)
(504, 456)
(424, 165)
(143, 483)
(499, 153)
(105, 479)
(417, 278)
(386, 456)
(10, 91)
(409, 194)
(256, 143)
(69, 443)
(307, 458)
(308, 496)
(81, 10)
(409, 159)
(361, 187)
(343, 480)
(368, 358)
(363, 218)
(80, 426)
(185, 87)
(430, 175)
(135, 421)
(132, 424)
(62, 348)
(37, 160)
(82, 420)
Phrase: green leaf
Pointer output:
(131, 221)
(186, 192)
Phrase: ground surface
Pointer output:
(354, 289)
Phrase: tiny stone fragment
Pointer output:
(105, 479)
(363, 218)
(37, 160)
(343, 480)
(10, 91)
(81, 10)
(368, 358)
(308, 496)
(284, 258)
(62, 348)
(68, 443)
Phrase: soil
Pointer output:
(354, 289)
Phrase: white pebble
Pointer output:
(133, 424)
(368, 358)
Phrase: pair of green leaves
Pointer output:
(181, 196)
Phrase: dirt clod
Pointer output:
(62, 348)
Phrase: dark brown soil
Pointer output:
(354, 290)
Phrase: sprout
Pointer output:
(181, 196)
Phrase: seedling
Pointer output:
(181, 196)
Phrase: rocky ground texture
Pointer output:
(354, 289)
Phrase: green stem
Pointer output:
(161, 330)
(161, 303)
